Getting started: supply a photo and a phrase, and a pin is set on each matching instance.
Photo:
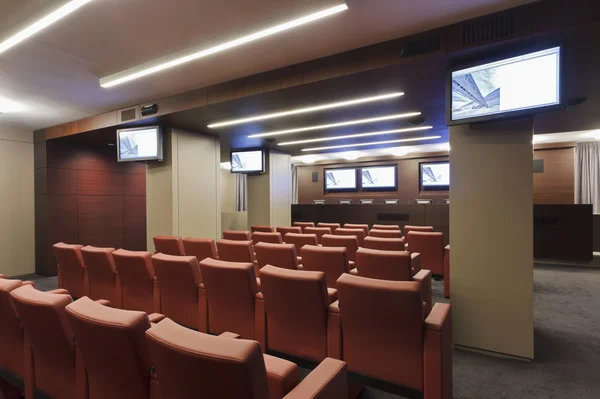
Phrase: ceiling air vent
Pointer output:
(488, 29)
(128, 115)
(422, 45)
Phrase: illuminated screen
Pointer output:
(379, 177)
(435, 176)
(139, 144)
(514, 84)
(247, 161)
(340, 179)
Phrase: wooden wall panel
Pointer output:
(135, 207)
(557, 184)
(135, 234)
(99, 183)
(103, 232)
(100, 207)
(135, 184)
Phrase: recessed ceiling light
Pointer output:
(350, 136)
(146, 69)
(398, 151)
(7, 106)
(350, 155)
(373, 143)
(332, 125)
(306, 110)
(42, 23)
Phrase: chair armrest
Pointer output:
(438, 318)
(354, 272)
(328, 380)
(334, 331)
(415, 261)
(437, 352)
(334, 307)
(424, 277)
(230, 335)
(202, 310)
(27, 282)
(155, 317)
(447, 271)
(332, 294)
(260, 321)
(104, 302)
(60, 291)
(156, 295)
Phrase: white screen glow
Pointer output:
(247, 161)
(382, 177)
(138, 144)
(435, 174)
(336, 179)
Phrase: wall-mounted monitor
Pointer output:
(140, 144)
(379, 178)
(434, 176)
(514, 86)
(340, 180)
(247, 161)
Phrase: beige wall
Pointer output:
(227, 191)
(491, 233)
(17, 217)
(259, 198)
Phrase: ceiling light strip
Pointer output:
(306, 110)
(351, 136)
(117, 79)
(373, 143)
(332, 125)
(42, 23)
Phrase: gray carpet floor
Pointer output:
(567, 344)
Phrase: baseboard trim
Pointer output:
(492, 353)
(594, 263)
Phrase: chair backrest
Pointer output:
(235, 251)
(179, 280)
(70, 262)
(386, 227)
(300, 240)
(136, 274)
(384, 244)
(50, 337)
(280, 255)
(302, 225)
(364, 227)
(332, 226)
(230, 289)
(260, 236)
(284, 230)
(385, 233)
(431, 248)
(191, 364)
(200, 248)
(332, 261)
(114, 349)
(11, 332)
(407, 229)
(391, 349)
(319, 231)
(348, 242)
(296, 304)
(359, 233)
(102, 273)
(384, 265)
(236, 235)
(264, 229)
(169, 245)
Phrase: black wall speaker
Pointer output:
(538, 166)
(315, 177)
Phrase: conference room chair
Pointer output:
(385, 233)
(401, 345)
(190, 365)
(201, 248)
(431, 248)
(102, 274)
(364, 227)
(116, 361)
(182, 297)
(264, 229)
(139, 286)
(332, 261)
(72, 275)
(302, 225)
(300, 240)
(273, 238)
(343, 241)
(332, 226)
(359, 233)
(230, 289)
(236, 251)
(408, 229)
(447, 271)
(2, 276)
(284, 230)
(386, 227)
(280, 255)
(385, 244)
(236, 235)
(394, 266)
(169, 245)
(319, 231)
(295, 304)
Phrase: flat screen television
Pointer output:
(515, 86)
(247, 161)
(379, 178)
(434, 176)
(340, 180)
(140, 144)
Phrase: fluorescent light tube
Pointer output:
(42, 23)
(306, 110)
(350, 136)
(130, 75)
(373, 143)
(332, 125)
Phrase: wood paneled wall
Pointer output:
(557, 184)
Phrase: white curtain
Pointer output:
(587, 174)
(241, 192)
(294, 184)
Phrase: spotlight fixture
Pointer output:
(339, 124)
(147, 69)
(373, 143)
(350, 136)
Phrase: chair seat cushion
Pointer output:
(282, 376)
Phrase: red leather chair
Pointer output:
(102, 274)
(364, 227)
(386, 227)
(342, 241)
(72, 275)
(431, 248)
(230, 290)
(182, 297)
(400, 346)
(302, 225)
(332, 261)
(264, 229)
(236, 251)
(284, 230)
(236, 235)
(169, 245)
(359, 233)
(385, 244)
(273, 238)
(2, 276)
(300, 240)
(114, 350)
(332, 226)
(280, 255)
(447, 271)
(139, 286)
(424, 229)
(191, 365)
(295, 304)
(385, 233)
(201, 248)
(319, 231)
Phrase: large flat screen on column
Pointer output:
(510, 87)
(340, 180)
(139, 144)
(380, 178)
(434, 176)
(247, 161)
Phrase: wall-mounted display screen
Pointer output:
(435, 176)
(247, 161)
(380, 178)
(523, 85)
(139, 144)
(340, 180)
